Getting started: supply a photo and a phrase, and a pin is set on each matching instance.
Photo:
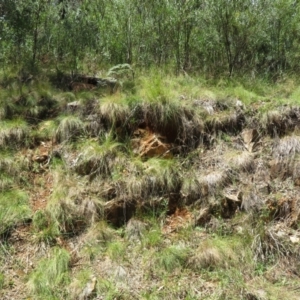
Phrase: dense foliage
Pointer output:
(211, 36)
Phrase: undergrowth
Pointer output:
(172, 188)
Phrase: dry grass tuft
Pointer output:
(280, 121)
(70, 205)
(270, 244)
(215, 180)
(240, 161)
(224, 121)
(206, 257)
(251, 200)
(286, 147)
(217, 253)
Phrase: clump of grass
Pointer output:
(171, 258)
(44, 228)
(69, 129)
(152, 238)
(10, 170)
(51, 275)
(222, 253)
(70, 207)
(159, 107)
(114, 110)
(45, 131)
(98, 158)
(240, 161)
(13, 134)
(278, 121)
(116, 250)
(14, 209)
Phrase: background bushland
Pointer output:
(247, 37)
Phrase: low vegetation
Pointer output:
(169, 188)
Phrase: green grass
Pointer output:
(51, 275)
(13, 134)
(44, 228)
(70, 128)
(14, 209)
(116, 250)
(171, 258)
(97, 158)
(99, 175)
(153, 238)
(115, 109)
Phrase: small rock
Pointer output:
(294, 239)
(89, 289)
(239, 104)
(120, 273)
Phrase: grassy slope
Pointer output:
(174, 188)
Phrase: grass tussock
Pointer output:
(171, 258)
(240, 161)
(286, 147)
(71, 209)
(13, 134)
(70, 128)
(114, 110)
(50, 276)
(221, 253)
(98, 158)
(12, 170)
(14, 209)
(279, 121)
